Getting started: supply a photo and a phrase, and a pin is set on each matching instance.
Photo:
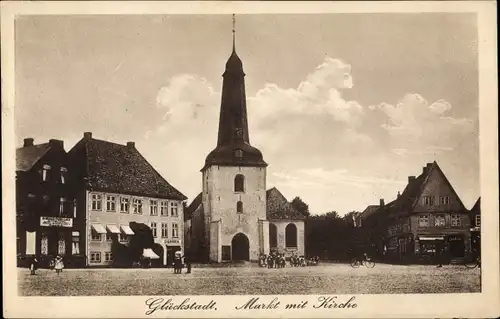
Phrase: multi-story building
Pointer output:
(475, 230)
(46, 207)
(117, 187)
(427, 220)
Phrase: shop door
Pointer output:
(171, 255)
(457, 247)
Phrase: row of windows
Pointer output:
(431, 200)
(45, 174)
(96, 237)
(164, 208)
(290, 235)
(478, 220)
(95, 256)
(164, 230)
(439, 221)
(64, 204)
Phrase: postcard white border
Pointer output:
(485, 304)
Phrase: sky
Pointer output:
(344, 107)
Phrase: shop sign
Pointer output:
(172, 241)
(56, 222)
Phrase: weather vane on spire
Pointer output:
(234, 31)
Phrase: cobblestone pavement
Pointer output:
(322, 279)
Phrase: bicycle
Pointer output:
(473, 263)
(355, 263)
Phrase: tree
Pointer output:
(300, 206)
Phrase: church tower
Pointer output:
(234, 178)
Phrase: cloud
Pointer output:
(334, 153)
(426, 127)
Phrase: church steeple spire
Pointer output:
(234, 33)
(233, 142)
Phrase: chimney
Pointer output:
(399, 194)
(56, 143)
(28, 142)
(87, 135)
(411, 179)
(131, 145)
(382, 203)
(427, 167)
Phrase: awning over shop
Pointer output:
(127, 230)
(149, 253)
(431, 238)
(113, 229)
(99, 228)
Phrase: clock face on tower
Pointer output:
(239, 132)
(238, 153)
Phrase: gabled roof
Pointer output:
(476, 209)
(369, 210)
(122, 169)
(278, 207)
(193, 206)
(28, 156)
(408, 199)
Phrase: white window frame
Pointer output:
(164, 230)
(45, 171)
(153, 207)
(110, 203)
(137, 206)
(63, 175)
(125, 203)
(75, 244)
(436, 219)
(174, 209)
(454, 219)
(422, 218)
(175, 230)
(108, 256)
(96, 202)
(122, 238)
(154, 229)
(95, 257)
(95, 236)
(477, 220)
(62, 203)
(164, 208)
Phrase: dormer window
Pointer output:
(45, 171)
(63, 175)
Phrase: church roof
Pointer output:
(279, 208)
(121, 169)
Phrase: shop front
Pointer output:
(428, 248)
(54, 236)
(475, 241)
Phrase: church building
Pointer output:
(228, 220)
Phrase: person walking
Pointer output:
(34, 266)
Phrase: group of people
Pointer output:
(277, 260)
(56, 264)
(178, 264)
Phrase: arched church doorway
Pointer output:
(273, 235)
(240, 247)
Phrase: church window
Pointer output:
(273, 235)
(239, 207)
(239, 183)
(291, 235)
